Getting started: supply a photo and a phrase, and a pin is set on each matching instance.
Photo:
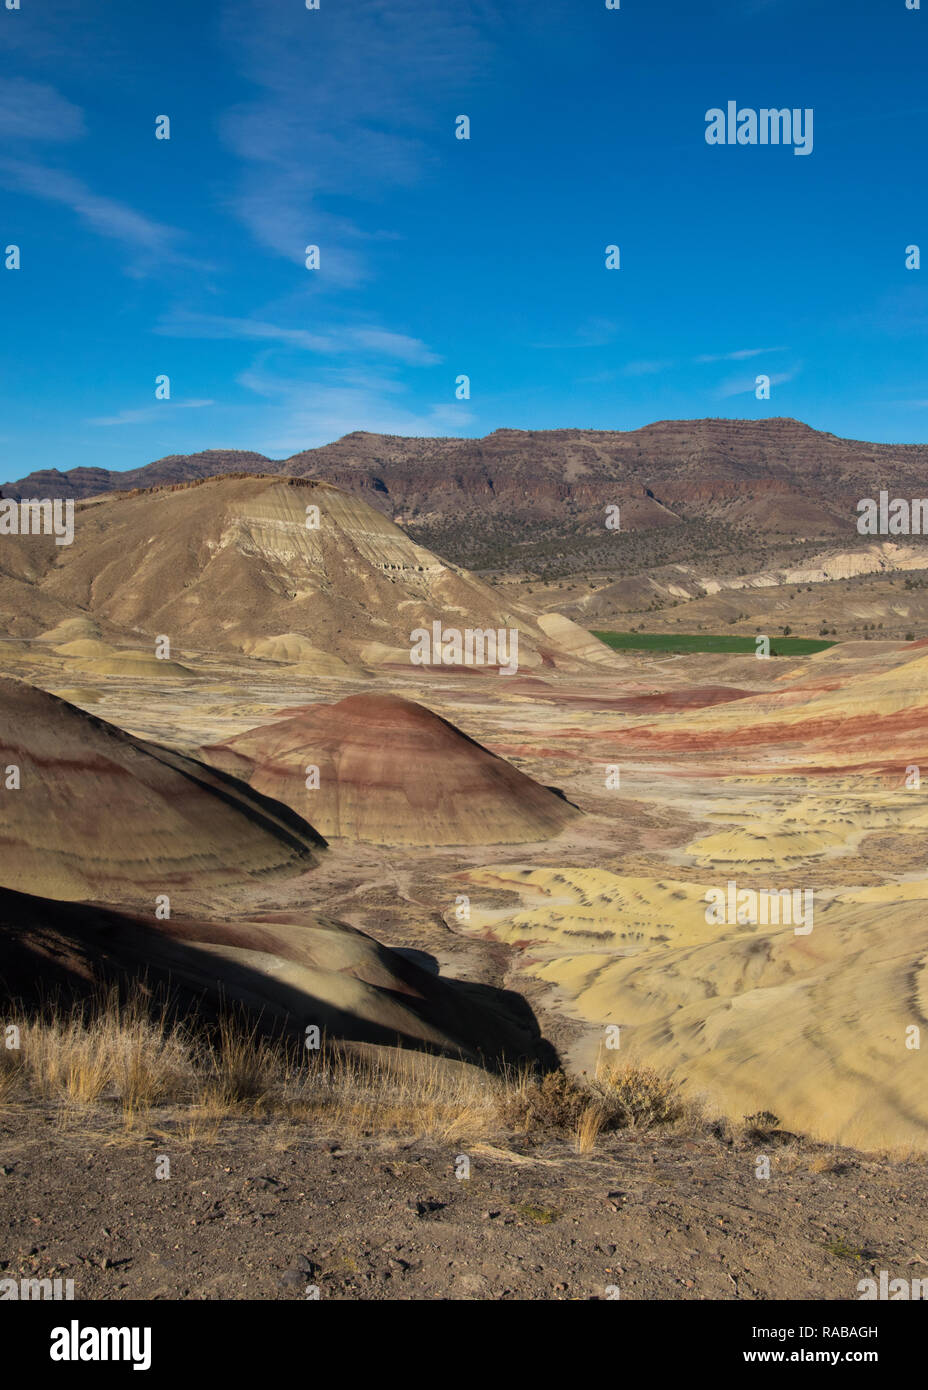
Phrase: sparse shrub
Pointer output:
(635, 1097)
(539, 1216)
(553, 1101)
(762, 1120)
(840, 1248)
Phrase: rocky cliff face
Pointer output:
(476, 499)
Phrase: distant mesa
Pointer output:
(392, 772)
(777, 472)
(101, 814)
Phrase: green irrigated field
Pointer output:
(680, 643)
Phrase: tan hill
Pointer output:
(750, 1017)
(292, 649)
(139, 664)
(692, 581)
(232, 564)
(392, 772)
(875, 592)
(101, 814)
(287, 971)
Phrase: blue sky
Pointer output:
(442, 257)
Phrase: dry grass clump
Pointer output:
(240, 1068)
(587, 1128)
(396, 1092)
(111, 1050)
(10, 1073)
(134, 1059)
(118, 1054)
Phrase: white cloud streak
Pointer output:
(329, 341)
(346, 95)
(145, 414)
(35, 111)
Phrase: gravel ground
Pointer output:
(260, 1210)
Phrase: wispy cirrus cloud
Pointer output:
(36, 111)
(378, 342)
(654, 366)
(107, 216)
(898, 314)
(344, 101)
(739, 355)
(145, 414)
(338, 402)
(744, 386)
(591, 333)
(647, 367)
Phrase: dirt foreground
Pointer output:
(259, 1210)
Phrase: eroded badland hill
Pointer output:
(227, 783)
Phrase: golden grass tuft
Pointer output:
(587, 1128)
(111, 1050)
(396, 1092)
(130, 1057)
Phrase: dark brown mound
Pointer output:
(101, 814)
(286, 971)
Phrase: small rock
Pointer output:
(265, 1184)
